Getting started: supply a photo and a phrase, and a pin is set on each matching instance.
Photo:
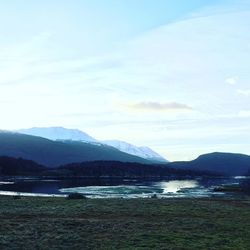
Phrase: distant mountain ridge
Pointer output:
(63, 134)
(223, 163)
(144, 152)
(54, 153)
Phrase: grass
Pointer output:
(57, 223)
(229, 188)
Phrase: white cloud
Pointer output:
(232, 80)
(244, 113)
(156, 106)
(245, 92)
(18, 61)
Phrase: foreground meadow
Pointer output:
(57, 223)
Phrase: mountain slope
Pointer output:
(58, 133)
(225, 163)
(54, 153)
(144, 152)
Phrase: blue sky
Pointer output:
(172, 75)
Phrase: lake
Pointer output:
(116, 188)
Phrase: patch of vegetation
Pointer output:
(76, 196)
(245, 186)
(55, 223)
(229, 188)
(154, 196)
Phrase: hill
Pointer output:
(13, 166)
(223, 163)
(10, 166)
(124, 170)
(55, 153)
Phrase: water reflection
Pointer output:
(6, 182)
(176, 186)
(121, 191)
(116, 188)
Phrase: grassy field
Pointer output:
(57, 223)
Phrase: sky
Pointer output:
(171, 75)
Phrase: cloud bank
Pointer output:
(156, 106)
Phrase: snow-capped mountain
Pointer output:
(58, 133)
(63, 134)
(143, 152)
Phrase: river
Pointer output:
(116, 188)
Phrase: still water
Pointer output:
(115, 188)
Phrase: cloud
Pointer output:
(17, 60)
(244, 113)
(156, 106)
(245, 92)
(232, 80)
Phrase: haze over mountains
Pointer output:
(62, 134)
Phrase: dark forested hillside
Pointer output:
(13, 166)
(223, 163)
(122, 169)
(54, 153)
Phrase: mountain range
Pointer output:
(65, 150)
(54, 153)
(64, 134)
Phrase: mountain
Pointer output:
(58, 133)
(54, 153)
(143, 152)
(224, 163)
